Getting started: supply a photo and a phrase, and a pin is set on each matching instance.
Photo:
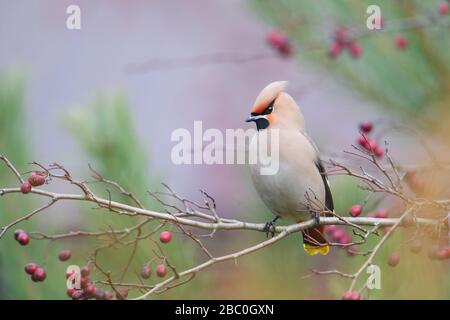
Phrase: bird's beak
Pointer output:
(254, 118)
(250, 119)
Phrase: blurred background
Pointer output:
(111, 94)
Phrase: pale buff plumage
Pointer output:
(284, 192)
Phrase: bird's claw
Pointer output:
(316, 217)
(269, 227)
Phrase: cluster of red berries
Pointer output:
(401, 41)
(88, 289)
(22, 237)
(436, 252)
(341, 41)
(351, 295)
(338, 234)
(161, 271)
(36, 272)
(35, 179)
(368, 143)
(280, 42)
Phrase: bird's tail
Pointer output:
(314, 241)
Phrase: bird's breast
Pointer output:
(285, 191)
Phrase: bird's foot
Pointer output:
(270, 227)
(316, 215)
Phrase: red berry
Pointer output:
(347, 295)
(355, 50)
(17, 233)
(108, 295)
(394, 259)
(346, 238)
(161, 270)
(416, 183)
(146, 272)
(401, 42)
(85, 271)
(77, 295)
(362, 141)
(122, 293)
(64, 255)
(69, 274)
(378, 152)
(355, 210)
(351, 295)
(366, 126)
(30, 268)
(444, 8)
(371, 144)
(340, 36)
(39, 275)
(99, 294)
(286, 49)
(165, 236)
(335, 50)
(36, 179)
(70, 292)
(442, 254)
(382, 213)
(355, 296)
(338, 234)
(23, 238)
(84, 281)
(25, 187)
(275, 38)
(448, 252)
(416, 246)
(330, 229)
(89, 290)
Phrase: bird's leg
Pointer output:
(316, 215)
(270, 225)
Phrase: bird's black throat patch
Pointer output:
(261, 123)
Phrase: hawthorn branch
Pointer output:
(234, 225)
(201, 216)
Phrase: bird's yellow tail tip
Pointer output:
(312, 251)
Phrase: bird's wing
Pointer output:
(328, 196)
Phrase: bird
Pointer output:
(301, 175)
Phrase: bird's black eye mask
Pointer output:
(262, 123)
(268, 110)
